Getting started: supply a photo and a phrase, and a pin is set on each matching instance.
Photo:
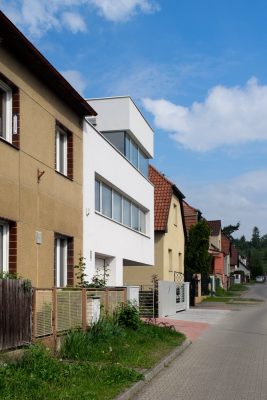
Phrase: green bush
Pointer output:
(127, 315)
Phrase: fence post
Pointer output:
(33, 314)
(54, 316)
(84, 309)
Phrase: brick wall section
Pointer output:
(16, 111)
(70, 262)
(12, 248)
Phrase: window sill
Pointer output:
(124, 226)
(8, 143)
(64, 176)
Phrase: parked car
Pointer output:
(260, 279)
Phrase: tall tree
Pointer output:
(255, 239)
(255, 264)
(229, 229)
(197, 257)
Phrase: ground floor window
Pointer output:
(63, 260)
(4, 245)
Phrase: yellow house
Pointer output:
(170, 234)
(41, 142)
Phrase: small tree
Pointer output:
(229, 229)
(197, 257)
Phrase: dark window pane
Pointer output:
(127, 146)
(117, 207)
(142, 221)
(106, 201)
(134, 154)
(135, 217)
(126, 212)
(97, 195)
(143, 164)
(116, 138)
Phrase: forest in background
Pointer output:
(255, 249)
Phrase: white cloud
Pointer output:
(241, 199)
(74, 22)
(76, 79)
(122, 10)
(228, 116)
(40, 16)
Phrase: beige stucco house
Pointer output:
(170, 234)
(41, 141)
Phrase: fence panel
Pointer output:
(148, 301)
(15, 313)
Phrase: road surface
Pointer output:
(227, 362)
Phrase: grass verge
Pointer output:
(93, 365)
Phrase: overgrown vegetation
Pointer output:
(96, 364)
(197, 257)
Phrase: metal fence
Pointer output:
(148, 301)
(58, 310)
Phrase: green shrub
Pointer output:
(127, 315)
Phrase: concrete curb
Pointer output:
(150, 374)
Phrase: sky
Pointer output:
(196, 69)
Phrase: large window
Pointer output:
(114, 205)
(5, 112)
(126, 145)
(64, 151)
(4, 245)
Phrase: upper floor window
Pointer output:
(126, 145)
(64, 151)
(116, 206)
(9, 111)
(5, 112)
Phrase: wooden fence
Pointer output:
(15, 313)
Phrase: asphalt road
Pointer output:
(228, 362)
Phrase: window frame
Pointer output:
(5, 247)
(59, 134)
(7, 113)
(123, 199)
(58, 258)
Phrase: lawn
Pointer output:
(93, 365)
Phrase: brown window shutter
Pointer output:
(70, 155)
(70, 263)
(12, 267)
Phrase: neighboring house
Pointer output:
(170, 234)
(234, 258)
(216, 250)
(243, 266)
(118, 197)
(226, 249)
(41, 139)
(191, 215)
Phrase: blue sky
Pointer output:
(197, 69)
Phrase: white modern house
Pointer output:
(118, 225)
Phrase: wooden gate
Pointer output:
(15, 313)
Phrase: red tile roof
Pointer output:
(226, 244)
(163, 191)
(215, 227)
(191, 215)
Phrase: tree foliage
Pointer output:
(197, 257)
(230, 229)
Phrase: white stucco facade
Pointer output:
(106, 241)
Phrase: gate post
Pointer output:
(187, 295)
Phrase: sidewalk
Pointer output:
(194, 322)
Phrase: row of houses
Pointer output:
(76, 180)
